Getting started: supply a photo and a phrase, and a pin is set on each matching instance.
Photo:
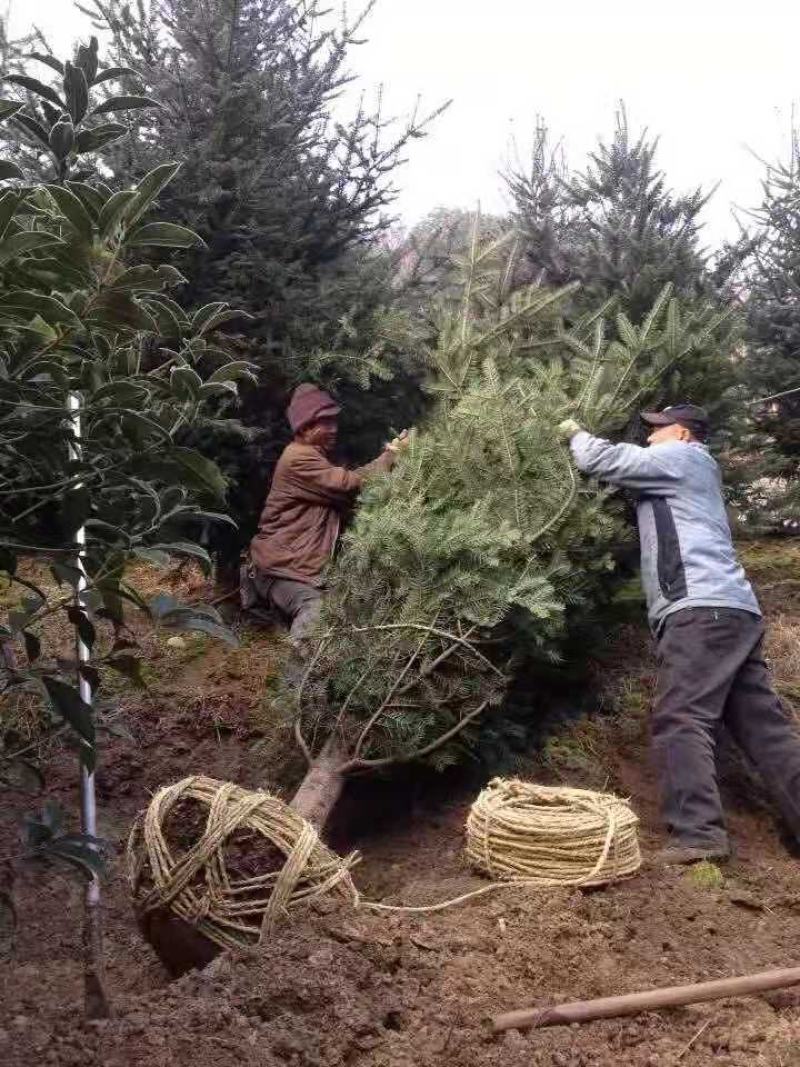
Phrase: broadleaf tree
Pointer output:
(100, 372)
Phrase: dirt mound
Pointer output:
(391, 990)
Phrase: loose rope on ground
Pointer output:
(518, 833)
(528, 835)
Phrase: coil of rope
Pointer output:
(518, 833)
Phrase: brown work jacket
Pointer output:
(302, 515)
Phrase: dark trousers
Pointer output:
(298, 602)
(712, 671)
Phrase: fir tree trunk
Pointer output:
(322, 786)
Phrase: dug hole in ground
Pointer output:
(390, 990)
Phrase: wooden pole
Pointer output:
(582, 1011)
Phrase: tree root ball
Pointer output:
(213, 866)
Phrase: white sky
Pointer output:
(716, 79)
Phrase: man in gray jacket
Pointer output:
(708, 629)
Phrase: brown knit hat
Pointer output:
(308, 404)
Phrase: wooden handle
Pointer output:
(581, 1011)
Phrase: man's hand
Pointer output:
(567, 429)
(398, 444)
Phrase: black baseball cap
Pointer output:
(691, 416)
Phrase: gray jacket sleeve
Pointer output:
(644, 469)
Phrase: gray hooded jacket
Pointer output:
(688, 558)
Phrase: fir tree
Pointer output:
(772, 351)
(618, 229)
(290, 200)
(482, 542)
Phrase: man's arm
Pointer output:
(629, 466)
(318, 481)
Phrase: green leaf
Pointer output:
(113, 210)
(203, 619)
(91, 199)
(52, 114)
(65, 572)
(236, 371)
(120, 392)
(67, 701)
(112, 73)
(76, 91)
(9, 170)
(9, 202)
(76, 509)
(61, 138)
(149, 188)
(124, 103)
(50, 309)
(86, 59)
(33, 646)
(209, 389)
(162, 605)
(148, 279)
(99, 136)
(9, 108)
(152, 555)
(73, 210)
(26, 241)
(50, 61)
(35, 86)
(170, 316)
(185, 382)
(78, 850)
(39, 831)
(194, 622)
(115, 308)
(200, 470)
(83, 624)
(213, 322)
(165, 235)
(91, 675)
(33, 127)
(187, 548)
(134, 423)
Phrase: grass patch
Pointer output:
(705, 875)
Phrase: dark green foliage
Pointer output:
(618, 229)
(100, 371)
(291, 201)
(483, 541)
(772, 352)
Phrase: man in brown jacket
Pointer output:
(301, 520)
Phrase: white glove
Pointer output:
(568, 428)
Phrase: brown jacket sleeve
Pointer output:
(315, 480)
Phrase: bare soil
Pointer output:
(392, 990)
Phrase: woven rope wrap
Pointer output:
(551, 835)
(196, 885)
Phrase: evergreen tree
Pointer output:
(772, 351)
(618, 229)
(290, 200)
(482, 542)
